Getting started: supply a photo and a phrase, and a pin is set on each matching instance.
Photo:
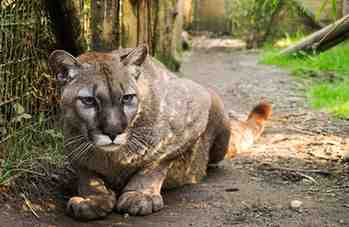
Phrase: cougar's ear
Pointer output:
(63, 65)
(136, 56)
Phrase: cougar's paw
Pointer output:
(90, 208)
(138, 203)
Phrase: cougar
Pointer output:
(132, 127)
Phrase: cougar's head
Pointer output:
(100, 96)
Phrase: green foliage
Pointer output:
(28, 150)
(335, 60)
(323, 6)
(259, 21)
(327, 74)
(331, 97)
(251, 19)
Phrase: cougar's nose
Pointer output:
(114, 124)
(114, 130)
(111, 135)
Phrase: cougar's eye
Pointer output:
(88, 101)
(128, 99)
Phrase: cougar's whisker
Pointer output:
(77, 154)
(82, 151)
(72, 138)
(66, 144)
(73, 152)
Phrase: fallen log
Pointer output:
(323, 39)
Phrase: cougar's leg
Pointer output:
(94, 199)
(220, 129)
(221, 145)
(141, 196)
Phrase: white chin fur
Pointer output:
(102, 140)
(120, 139)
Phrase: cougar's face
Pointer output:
(101, 96)
(104, 106)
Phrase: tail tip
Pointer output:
(262, 111)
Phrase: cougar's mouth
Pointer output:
(101, 140)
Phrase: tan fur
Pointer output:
(244, 133)
(180, 128)
(95, 57)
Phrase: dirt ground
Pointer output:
(298, 160)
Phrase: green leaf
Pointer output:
(26, 116)
(321, 9)
(334, 9)
(22, 117)
(19, 108)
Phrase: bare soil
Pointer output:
(300, 157)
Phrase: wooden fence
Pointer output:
(26, 90)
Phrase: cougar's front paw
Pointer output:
(90, 208)
(138, 203)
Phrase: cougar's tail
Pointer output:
(245, 133)
(253, 127)
(259, 115)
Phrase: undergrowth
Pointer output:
(29, 151)
(327, 74)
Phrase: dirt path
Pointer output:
(257, 187)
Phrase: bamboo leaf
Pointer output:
(321, 9)
(334, 9)
(19, 108)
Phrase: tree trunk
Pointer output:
(188, 12)
(66, 25)
(129, 23)
(345, 7)
(322, 40)
(102, 25)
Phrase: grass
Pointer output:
(328, 73)
(29, 150)
(333, 98)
